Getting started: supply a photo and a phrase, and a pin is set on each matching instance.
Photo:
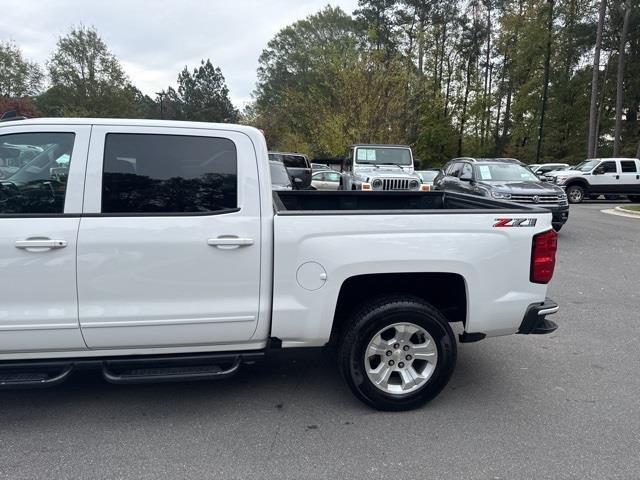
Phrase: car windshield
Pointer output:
(279, 175)
(383, 156)
(586, 166)
(505, 172)
(427, 175)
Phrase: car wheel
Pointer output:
(575, 194)
(397, 353)
(557, 226)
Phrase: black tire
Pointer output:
(557, 226)
(575, 193)
(365, 324)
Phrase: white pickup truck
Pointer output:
(156, 251)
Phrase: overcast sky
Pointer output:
(155, 39)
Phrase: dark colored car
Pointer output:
(280, 179)
(298, 166)
(503, 179)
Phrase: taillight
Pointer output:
(543, 256)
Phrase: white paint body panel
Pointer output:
(493, 262)
(151, 285)
(154, 281)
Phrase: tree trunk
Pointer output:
(464, 107)
(594, 81)
(487, 85)
(545, 87)
(605, 77)
(620, 80)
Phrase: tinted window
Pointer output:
(455, 170)
(608, 167)
(628, 166)
(295, 161)
(33, 172)
(168, 174)
(279, 175)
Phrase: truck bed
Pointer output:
(341, 202)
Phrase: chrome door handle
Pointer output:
(230, 242)
(41, 243)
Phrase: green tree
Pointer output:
(18, 76)
(203, 95)
(87, 80)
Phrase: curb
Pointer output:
(620, 212)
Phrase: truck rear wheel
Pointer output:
(397, 353)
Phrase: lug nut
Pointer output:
(405, 348)
(391, 363)
(408, 357)
(397, 345)
(401, 365)
(389, 353)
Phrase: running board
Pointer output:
(34, 377)
(128, 370)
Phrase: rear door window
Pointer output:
(159, 174)
(628, 166)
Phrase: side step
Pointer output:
(127, 370)
(175, 369)
(34, 377)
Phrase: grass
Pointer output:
(631, 208)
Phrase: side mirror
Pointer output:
(599, 171)
(466, 178)
(297, 180)
(542, 178)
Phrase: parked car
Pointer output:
(326, 180)
(427, 177)
(280, 179)
(542, 168)
(379, 168)
(504, 179)
(164, 255)
(319, 166)
(600, 176)
(298, 166)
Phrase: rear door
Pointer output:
(629, 176)
(169, 244)
(40, 206)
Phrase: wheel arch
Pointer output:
(445, 291)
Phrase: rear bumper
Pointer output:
(535, 321)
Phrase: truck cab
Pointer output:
(373, 167)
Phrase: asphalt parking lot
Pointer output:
(566, 405)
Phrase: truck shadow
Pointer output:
(302, 380)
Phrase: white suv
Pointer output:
(598, 176)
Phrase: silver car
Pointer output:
(326, 180)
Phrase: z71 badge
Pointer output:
(515, 222)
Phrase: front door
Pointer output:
(40, 206)
(169, 245)
(606, 182)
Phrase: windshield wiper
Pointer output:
(394, 164)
